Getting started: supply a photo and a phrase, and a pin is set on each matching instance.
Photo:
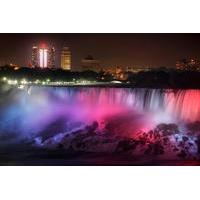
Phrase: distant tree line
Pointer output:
(166, 79)
(160, 78)
(52, 74)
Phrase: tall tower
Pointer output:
(43, 57)
(51, 57)
(66, 59)
(35, 57)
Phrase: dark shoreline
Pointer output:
(108, 86)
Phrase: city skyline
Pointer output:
(152, 50)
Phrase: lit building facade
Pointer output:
(66, 58)
(121, 72)
(35, 57)
(43, 57)
(51, 57)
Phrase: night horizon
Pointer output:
(134, 99)
(112, 49)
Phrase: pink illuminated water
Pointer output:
(101, 121)
(32, 110)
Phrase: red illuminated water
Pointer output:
(103, 117)
(34, 108)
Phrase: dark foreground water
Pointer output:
(99, 126)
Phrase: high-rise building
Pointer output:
(43, 57)
(51, 57)
(35, 57)
(66, 58)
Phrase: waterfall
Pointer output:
(177, 104)
(180, 104)
(33, 110)
(183, 104)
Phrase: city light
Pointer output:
(43, 58)
(21, 87)
(23, 81)
(12, 82)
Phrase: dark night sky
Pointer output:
(111, 49)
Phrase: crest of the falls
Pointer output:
(166, 104)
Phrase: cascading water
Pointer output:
(101, 119)
(31, 110)
(166, 104)
(184, 104)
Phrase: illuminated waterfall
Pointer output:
(31, 110)
(177, 104)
